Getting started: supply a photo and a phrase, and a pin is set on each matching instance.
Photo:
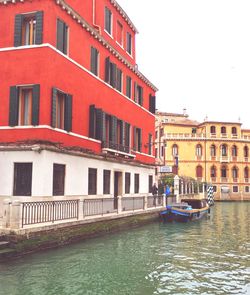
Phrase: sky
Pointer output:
(197, 53)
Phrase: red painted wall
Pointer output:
(45, 66)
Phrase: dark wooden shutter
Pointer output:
(18, 30)
(113, 74)
(99, 124)
(113, 129)
(119, 80)
(93, 60)
(127, 135)
(13, 106)
(92, 121)
(139, 140)
(135, 92)
(65, 39)
(141, 96)
(152, 104)
(53, 107)
(128, 87)
(134, 138)
(107, 70)
(35, 104)
(60, 35)
(68, 113)
(39, 27)
(123, 133)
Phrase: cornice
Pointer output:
(93, 32)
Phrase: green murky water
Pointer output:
(211, 256)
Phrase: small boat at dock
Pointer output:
(187, 210)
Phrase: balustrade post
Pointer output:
(80, 209)
(6, 213)
(119, 204)
(16, 215)
(176, 187)
(145, 203)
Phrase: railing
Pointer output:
(92, 207)
(155, 201)
(171, 199)
(203, 135)
(132, 203)
(224, 159)
(49, 211)
(116, 147)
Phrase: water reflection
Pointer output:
(206, 257)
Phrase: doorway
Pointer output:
(117, 187)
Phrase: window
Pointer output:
(28, 29)
(106, 182)
(108, 20)
(223, 130)
(162, 151)
(234, 131)
(175, 150)
(127, 183)
(215, 188)
(199, 171)
(61, 110)
(213, 172)
(22, 179)
(224, 150)
(92, 181)
(235, 189)
(152, 100)
(246, 151)
(161, 132)
(94, 66)
(246, 189)
(113, 75)
(235, 172)
(213, 151)
(128, 86)
(150, 143)
(213, 130)
(58, 179)
(137, 183)
(62, 36)
(198, 150)
(234, 151)
(24, 105)
(246, 173)
(137, 139)
(138, 94)
(156, 152)
(129, 43)
(223, 171)
(150, 183)
(119, 36)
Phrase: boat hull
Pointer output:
(174, 214)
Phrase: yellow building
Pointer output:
(214, 152)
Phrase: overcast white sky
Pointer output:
(197, 52)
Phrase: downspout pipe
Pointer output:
(94, 17)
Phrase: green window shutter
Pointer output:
(127, 134)
(65, 38)
(53, 107)
(60, 35)
(113, 74)
(141, 96)
(13, 106)
(107, 70)
(99, 124)
(18, 30)
(128, 87)
(68, 113)
(135, 92)
(139, 140)
(35, 104)
(39, 27)
(92, 121)
(113, 129)
(134, 138)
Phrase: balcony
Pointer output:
(213, 135)
(224, 135)
(246, 159)
(117, 149)
(234, 136)
(213, 158)
(224, 159)
(213, 179)
(224, 179)
(235, 180)
(246, 180)
(234, 158)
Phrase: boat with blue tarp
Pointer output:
(187, 210)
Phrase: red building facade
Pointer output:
(70, 84)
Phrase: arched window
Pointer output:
(199, 171)
(213, 150)
(234, 151)
(224, 150)
(246, 151)
(235, 172)
(213, 171)
(223, 171)
(212, 129)
(198, 150)
(175, 150)
(223, 130)
(234, 131)
(246, 173)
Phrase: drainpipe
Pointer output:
(94, 18)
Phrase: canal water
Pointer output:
(211, 256)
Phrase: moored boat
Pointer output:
(187, 210)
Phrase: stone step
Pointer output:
(4, 245)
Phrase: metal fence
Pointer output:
(155, 201)
(49, 211)
(132, 203)
(92, 207)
